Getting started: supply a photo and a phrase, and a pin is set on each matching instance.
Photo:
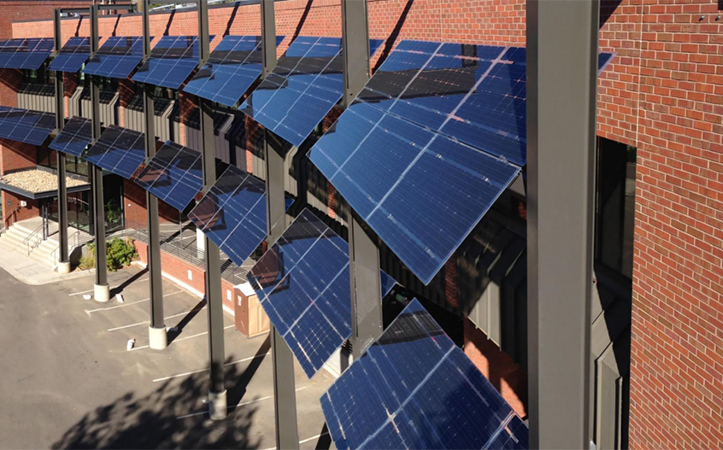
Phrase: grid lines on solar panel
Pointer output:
(72, 56)
(28, 53)
(24, 125)
(116, 58)
(172, 60)
(413, 388)
(234, 65)
(232, 214)
(174, 175)
(118, 150)
(305, 85)
(75, 136)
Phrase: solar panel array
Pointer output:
(27, 54)
(23, 125)
(435, 137)
(232, 68)
(118, 150)
(305, 85)
(75, 136)
(116, 58)
(72, 56)
(172, 60)
(174, 175)
(414, 388)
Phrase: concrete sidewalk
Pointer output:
(29, 271)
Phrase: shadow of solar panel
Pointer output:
(413, 388)
(27, 54)
(23, 125)
(119, 150)
(173, 175)
(117, 58)
(233, 67)
(75, 136)
(232, 214)
(172, 61)
(72, 56)
(305, 85)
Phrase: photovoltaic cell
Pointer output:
(233, 67)
(413, 388)
(172, 61)
(72, 56)
(117, 58)
(27, 54)
(173, 175)
(75, 136)
(23, 125)
(305, 85)
(119, 150)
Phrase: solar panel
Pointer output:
(75, 136)
(413, 388)
(27, 54)
(305, 85)
(23, 125)
(72, 56)
(233, 214)
(172, 61)
(388, 284)
(233, 67)
(118, 150)
(174, 175)
(117, 58)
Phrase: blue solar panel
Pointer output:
(233, 214)
(72, 56)
(117, 58)
(22, 125)
(118, 150)
(388, 284)
(27, 54)
(174, 175)
(172, 61)
(233, 67)
(413, 388)
(305, 85)
(75, 136)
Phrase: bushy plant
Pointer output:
(119, 253)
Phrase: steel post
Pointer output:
(63, 257)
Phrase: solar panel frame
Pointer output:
(118, 150)
(75, 137)
(167, 67)
(23, 125)
(25, 53)
(72, 56)
(118, 57)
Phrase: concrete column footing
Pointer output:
(101, 293)
(157, 338)
(217, 407)
(64, 267)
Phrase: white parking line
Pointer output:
(231, 408)
(91, 290)
(181, 339)
(206, 370)
(146, 322)
(91, 311)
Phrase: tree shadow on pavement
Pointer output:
(151, 420)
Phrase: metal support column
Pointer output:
(158, 337)
(217, 391)
(63, 257)
(562, 55)
(287, 429)
(102, 290)
(366, 300)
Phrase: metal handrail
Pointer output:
(36, 244)
(72, 246)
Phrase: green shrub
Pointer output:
(87, 262)
(119, 253)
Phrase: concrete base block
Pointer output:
(64, 268)
(217, 407)
(158, 338)
(101, 294)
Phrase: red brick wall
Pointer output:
(13, 212)
(17, 155)
(22, 11)
(135, 212)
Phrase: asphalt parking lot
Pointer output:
(68, 381)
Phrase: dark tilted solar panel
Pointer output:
(75, 136)
(118, 150)
(233, 214)
(172, 61)
(72, 56)
(305, 85)
(414, 388)
(27, 54)
(117, 58)
(174, 175)
(23, 125)
(233, 67)
(388, 284)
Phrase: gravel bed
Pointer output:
(36, 181)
